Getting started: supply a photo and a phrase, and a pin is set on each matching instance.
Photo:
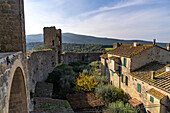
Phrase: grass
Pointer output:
(63, 66)
(108, 49)
(66, 105)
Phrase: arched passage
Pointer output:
(18, 97)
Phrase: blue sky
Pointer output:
(122, 19)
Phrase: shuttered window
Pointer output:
(124, 62)
(126, 80)
(151, 99)
(122, 78)
(139, 88)
(112, 73)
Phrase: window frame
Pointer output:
(126, 80)
(139, 88)
(152, 99)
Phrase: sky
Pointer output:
(121, 19)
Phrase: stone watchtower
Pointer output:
(53, 40)
(12, 26)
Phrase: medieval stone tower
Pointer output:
(53, 40)
(12, 26)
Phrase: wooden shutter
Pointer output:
(151, 99)
(125, 62)
(122, 78)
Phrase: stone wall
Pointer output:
(153, 54)
(12, 26)
(13, 83)
(53, 40)
(40, 64)
(69, 57)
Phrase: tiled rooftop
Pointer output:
(134, 102)
(128, 50)
(162, 78)
(156, 93)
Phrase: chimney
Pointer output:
(135, 44)
(154, 41)
(152, 75)
(168, 46)
(167, 68)
(115, 45)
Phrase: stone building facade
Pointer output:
(140, 70)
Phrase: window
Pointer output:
(53, 42)
(151, 99)
(126, 80)
(112, 73)
(110, 61)
(124, 62)
(122, 78)
(139, 88)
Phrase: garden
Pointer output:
(82, 84)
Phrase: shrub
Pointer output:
(62, 78)
(102, 79)
(95, 64)
(108, 93)
(85, 83)
(119, 107)
(66, 80)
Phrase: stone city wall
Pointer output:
(69, 57)
(40, 64)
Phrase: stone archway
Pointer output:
(18, 97)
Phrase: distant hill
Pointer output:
(83, 39)
(34, 38)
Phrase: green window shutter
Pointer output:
(122, 78)
(151, 99)
(110, 61)
(112, 73)
(139, 88)
(126, 80)
(125, 62)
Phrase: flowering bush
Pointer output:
(85, 83)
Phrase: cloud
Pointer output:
(126, 19)
(117, 6)
(134, 23)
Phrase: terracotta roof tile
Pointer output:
(128, 50)
(162, 78)
(134, 102)
(156, 93)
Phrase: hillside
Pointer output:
(83, 39)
